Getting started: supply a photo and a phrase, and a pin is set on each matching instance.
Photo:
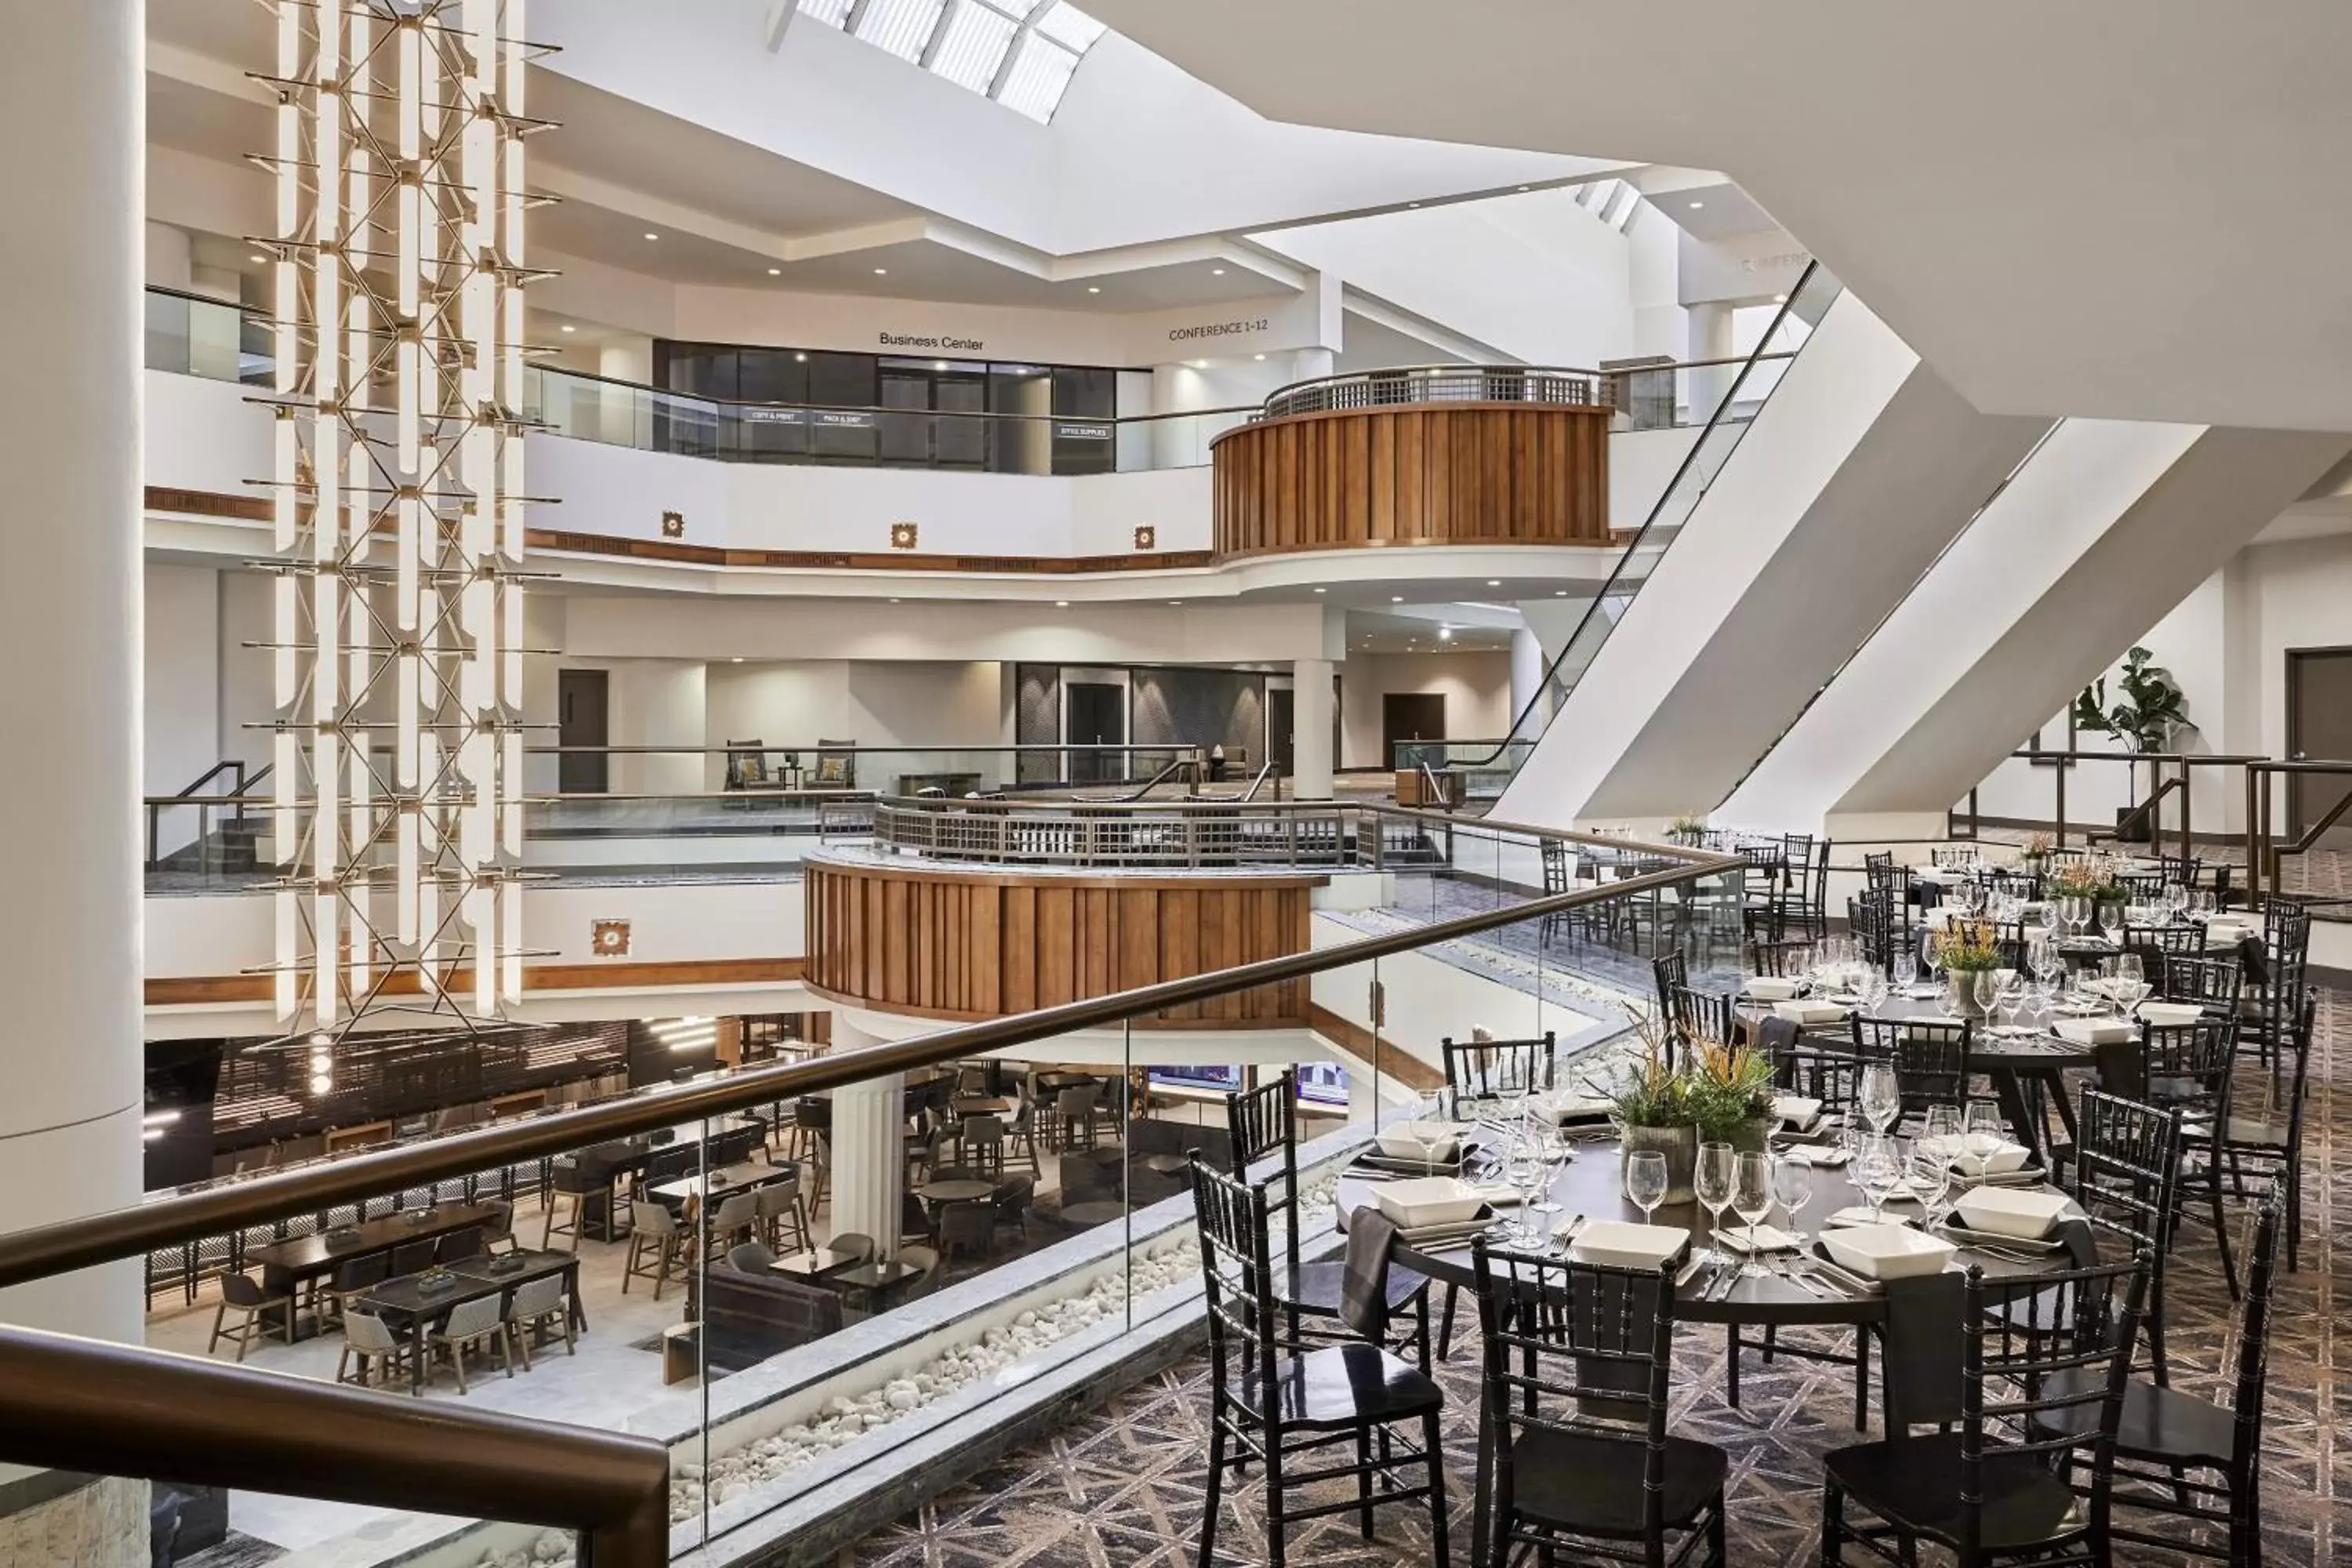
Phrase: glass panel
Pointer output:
(973, 46)
(1040, 71)
(901, 27)
(1068, 25)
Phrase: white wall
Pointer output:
(181, 677)
(1536, 274)
(658, 702)
(1476, 688)
(935, 705)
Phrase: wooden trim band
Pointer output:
(193, 989)
(1386, 1057)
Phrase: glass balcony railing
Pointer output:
(801, 1279)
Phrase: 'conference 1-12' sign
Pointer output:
(1218, 330)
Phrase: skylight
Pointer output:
(1022, 53)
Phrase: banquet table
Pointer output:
(1590, 1184)
(2025, 1069)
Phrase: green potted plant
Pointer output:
(2150, 714)
(1966, 949)
(1652, 1109)
(2096, 879)
(1688, 830)
(1729, 1090)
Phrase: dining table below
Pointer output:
(413, 1303)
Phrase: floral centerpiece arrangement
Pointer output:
(2094, 877)
(2038, 846)
(1686, 830)
(1722, 1094)
(1966, 949)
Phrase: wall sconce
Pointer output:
(609, 939)
(903, 535)
(1146, 538)
(673, 525)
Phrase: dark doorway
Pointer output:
(2319, 729)
(1281, 724)
(1097, 716)
(1409, 716)
(583, 718)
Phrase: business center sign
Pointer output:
(936, 342)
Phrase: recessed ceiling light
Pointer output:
(1322, 590)
(567, 327)
(1493, 582)
(1696, 205)
(1523, 187)
(1396, 598)
(799, 359)
(1560, 593)
(1091, 289)
(1061, 604)
(775, 272)
(262, 259)
(737, 659)
(1216, 272)
(1780, 298)
(894, 601)
(1175, 601)
(881, 272)
(938, 365)
(1261, 356)
(651, 235)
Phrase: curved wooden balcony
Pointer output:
(1451, 455)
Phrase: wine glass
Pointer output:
(1645, 1181)
(1877, 1171)
(1985, 1131)
(1523, 1167)
(1931, 1183)
(1881, 1096)
(1551, 1148)
(1793, 1183)
(1751, 1200)
(1907, 968)
(1942, 1136)
(1985, 984)
(1711, 1184)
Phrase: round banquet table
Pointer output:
(1589, 1185)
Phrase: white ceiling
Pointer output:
(2127, 209)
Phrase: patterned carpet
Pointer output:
(1122, 1488)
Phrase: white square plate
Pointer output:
(1423, 1201)
(1796, 1110)
(1399, 1142)
(1887, 1251)
(2011, 1211)
(1963, 1153)
(2170, 1012)
(2097, 1031)
(1623, 1245)
(1809, 1012)
(1770, 988)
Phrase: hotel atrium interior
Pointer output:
(894, 784)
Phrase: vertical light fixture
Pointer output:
(398, 503)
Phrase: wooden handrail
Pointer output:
(109, 1409)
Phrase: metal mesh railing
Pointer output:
(1441, 383)
(1188, 834)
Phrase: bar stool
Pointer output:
(780, 1211)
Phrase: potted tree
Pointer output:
(2147, 719)
(1966, 949)
(1730, 1095)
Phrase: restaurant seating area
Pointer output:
(2143, 1370)
(663, 1258)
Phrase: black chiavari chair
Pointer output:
(2003, 1486)
(1262, 1128)
(1579, 1364)
(1930, 1056)
(1488, 1069)
(2272, 1143)
(1280, 1405)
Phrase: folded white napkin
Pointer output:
(1861, 1215)
(1809, 1012)
(2170, 1012)
(1817, 1154)
(2097, 1031)
(1769, 1239)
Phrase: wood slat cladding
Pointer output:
(1453, 473)
(969, 944)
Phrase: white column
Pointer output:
(868, 1185)
(70, 637)
(1527, 675)
(622, 414)
(1307, 364)
(1710, 337)
(1310, 709)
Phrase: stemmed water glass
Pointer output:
(1880, 1096)
(1907, 969)
(1985, 985)
(1985, 1131)
(1877, 1171)
(1524, 1167)
(2009, 997)
(1931, 1183)
(1711, 1182)
(1551, 1147)
(1751, 1200)
(1645, 1181)
(1793, 1183)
